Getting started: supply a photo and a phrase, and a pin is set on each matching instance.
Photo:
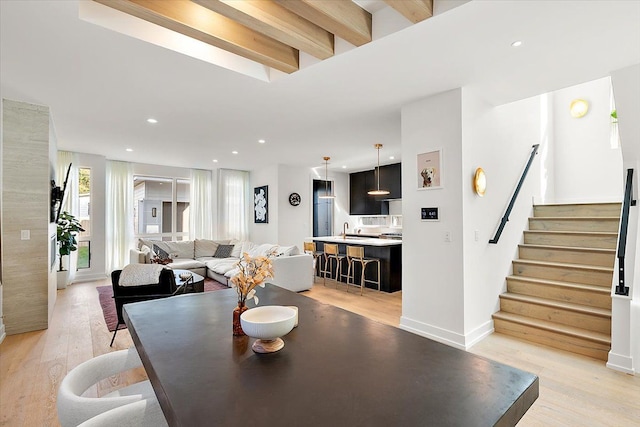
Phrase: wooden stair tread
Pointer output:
(559, 283)
(564, 264)
(568, 248)
(582, 204)
(601, 312)
(573, 218)
(555, 327)
(574, 233)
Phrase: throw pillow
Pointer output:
(223, 251)
(160, 253)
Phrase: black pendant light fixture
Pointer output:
(327, 194)
(378, 191)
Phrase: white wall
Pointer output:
(625, 343)
(432, 279)
(499, 140)
(293, 221)
(265, 233)
(292, 225)
(587, 168)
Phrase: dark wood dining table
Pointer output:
(337, 369)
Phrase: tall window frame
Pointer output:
(85, 184)
(148, 206)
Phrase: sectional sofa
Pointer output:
(218, 259)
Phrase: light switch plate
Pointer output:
(25, 234)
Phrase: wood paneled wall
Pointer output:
(26, 272)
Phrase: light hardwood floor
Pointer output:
(574, 390)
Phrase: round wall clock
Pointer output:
(294, 199)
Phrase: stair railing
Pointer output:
(628, 201)
(505, 218)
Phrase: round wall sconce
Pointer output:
(480, 182)
(578, 108)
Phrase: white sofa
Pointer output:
(291, 269)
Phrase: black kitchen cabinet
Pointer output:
(391, 180)
(360, 203)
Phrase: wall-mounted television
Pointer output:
(58, 197)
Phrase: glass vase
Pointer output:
(237, 327)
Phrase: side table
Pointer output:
(194, 284)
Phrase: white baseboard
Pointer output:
(89, 278)
(478, 334)
(620, 363)
(435, 333)
(444, 336)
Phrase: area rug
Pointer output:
(105, 295)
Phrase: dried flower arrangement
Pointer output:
(253, 272)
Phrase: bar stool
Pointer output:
(331, 253)
(310, 248)
(356, 254)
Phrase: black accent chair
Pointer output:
(166, 287)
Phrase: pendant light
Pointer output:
(378, 191)
(327, 194)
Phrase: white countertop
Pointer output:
(358, 241)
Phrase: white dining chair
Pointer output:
(74, 408)
(143, 413)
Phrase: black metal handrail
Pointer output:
(628, 201)
(505, 218)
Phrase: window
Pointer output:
(84, 216)
(84, 254)
(161, 207)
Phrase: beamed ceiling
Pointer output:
(270, 32)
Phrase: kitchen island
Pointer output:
(388, 251)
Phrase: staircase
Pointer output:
(560, 291)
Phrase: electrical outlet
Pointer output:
(25, 234)
(447, 236)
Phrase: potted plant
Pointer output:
(68, 227)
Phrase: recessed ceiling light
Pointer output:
(153, 121)
(234, 152)
(516, 43)
(344, 167)
(215, 160)
(392, 157)
(261, 141)
(129, 149)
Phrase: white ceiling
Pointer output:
(102, 85)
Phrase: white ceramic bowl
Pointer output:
(268, 322)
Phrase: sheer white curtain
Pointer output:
(119, 215)
(233, 204)
(71, 201)
(201, 205)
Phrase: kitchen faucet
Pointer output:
(344, 229)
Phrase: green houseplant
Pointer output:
(68, 227)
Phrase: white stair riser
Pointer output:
(553, 339)
(564, 274)
(588, 210)
(594, 225)
(558, 315)
(593, 258)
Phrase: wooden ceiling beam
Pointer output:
(414, 10)
(343, 18)
(276, 22)
(200, 23)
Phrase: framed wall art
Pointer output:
(430, 170)
(261, 205)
